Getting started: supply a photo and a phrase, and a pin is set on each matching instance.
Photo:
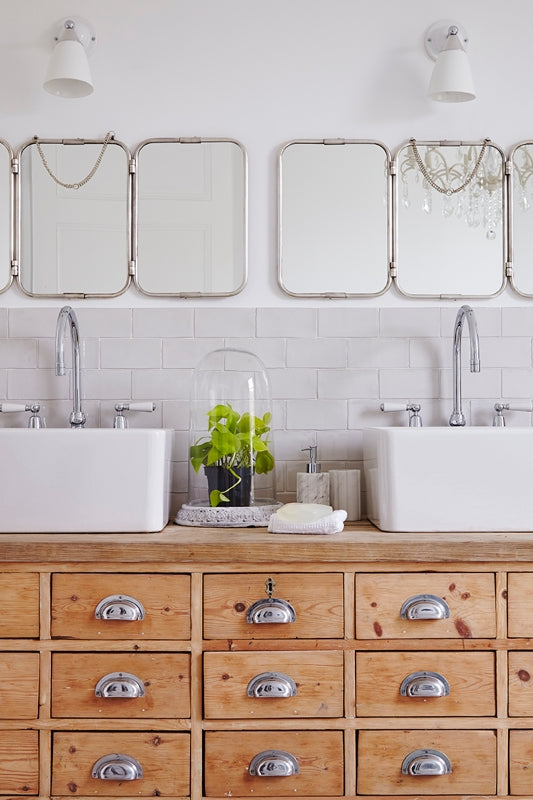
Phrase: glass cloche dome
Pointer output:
(231, 460)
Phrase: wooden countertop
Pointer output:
(360, 542)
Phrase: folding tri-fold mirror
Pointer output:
(91, 219)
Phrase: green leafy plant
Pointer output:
(234, 441)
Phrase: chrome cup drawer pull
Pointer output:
(425, 684)
(270, 609)
(120, 607)
(272, 685)
(426, 762)
(425, 606)
(119, 684)
(274, 764)
(117, 767)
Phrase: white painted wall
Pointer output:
(265, 73)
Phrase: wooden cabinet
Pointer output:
(208, 663)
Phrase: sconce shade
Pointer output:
(68, 73)
(451, 80)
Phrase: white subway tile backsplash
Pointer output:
(489, 320)
(317, 415)
(517, 321)
(215, 322)
(165, 384)
(131, 353)
(18, 353)
(348, 322)
(186, 353)
(3, 323)
(271, 351)
(517, 383)
(409, 384)
(484, 384)
(301, 322)
(290, 383)
(378, 352)
(32, 322)
(33, 384)
(163, 322)
(407, 322)
(348, 383)
(318, 353)
(103, 322)
(112, 385)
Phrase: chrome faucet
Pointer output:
(77, 417)
(457, 417)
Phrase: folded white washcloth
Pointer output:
(286, 520)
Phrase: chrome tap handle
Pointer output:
(415, 420)
(120, 420)
(498, 421)
(35, 421)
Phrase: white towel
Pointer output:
(330, 523)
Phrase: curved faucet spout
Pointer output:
(457, 417)
(65, 316)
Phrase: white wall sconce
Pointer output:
(451, 80)
(68, 72)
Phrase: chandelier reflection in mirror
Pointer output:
(468, 177)
(523, 172)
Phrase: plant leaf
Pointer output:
(216, 497)
(264, 462)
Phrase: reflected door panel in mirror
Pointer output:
(190, 217)
(521, 215)
(334, 220)
(451, 223)
(74, 239)
(6, 215)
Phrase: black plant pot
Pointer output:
(221, 479)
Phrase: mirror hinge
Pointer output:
(190, 140)
(131, 268)
(509, 269)
(392, 167)
(393, 270)
(15, 268)
(333, 141)
(133, 165)
(508, 167)
(14, 165)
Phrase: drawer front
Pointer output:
(468, 597)
(19, 763)
(20, 606)
(521, 762)
(520, 604)
(317, 601)
(269, 685)
(471, 754)
(163, 758)
(19, 685)
(164, 599)
(425, 684)
(317, 754)
(521, 684)
(130, 685)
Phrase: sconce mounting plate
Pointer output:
(83, 30)
(436, 35)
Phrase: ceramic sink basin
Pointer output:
(449, 479)
(57, 480)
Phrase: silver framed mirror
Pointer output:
(334, 218)
(520, 267)
(190, 217)
(74, 217)
(7, 215)
(450, 210)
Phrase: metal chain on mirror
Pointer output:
(447, 190)
(108, 137)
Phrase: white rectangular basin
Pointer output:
(57, 480)
(449, 479)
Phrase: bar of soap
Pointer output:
(303, 512)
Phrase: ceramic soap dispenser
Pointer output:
(312, 486)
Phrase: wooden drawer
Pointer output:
(470, 598)
(20, 606)
(19, 685)
(19, 763)
(317, 679)
(521, 762)
(163, 757)
(164, 678)
(520, 604)
(469, 678)
(472, 755)
(317, 600)
(521, 684)
(164, 598)
(228, 755)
